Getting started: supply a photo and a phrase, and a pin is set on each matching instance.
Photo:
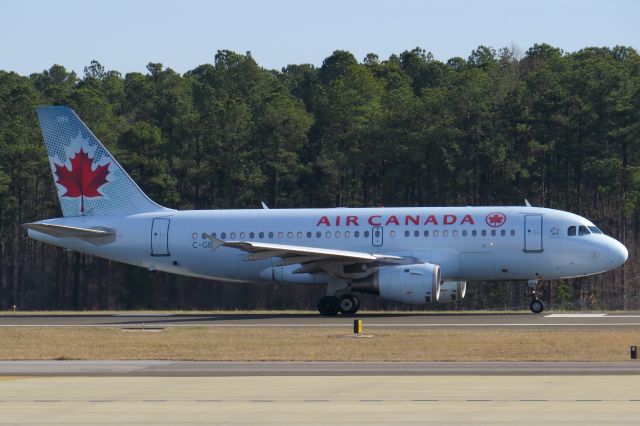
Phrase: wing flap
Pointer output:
(303, 254)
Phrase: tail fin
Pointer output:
(88, 179)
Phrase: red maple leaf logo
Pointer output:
(496, 219)
(81, 181)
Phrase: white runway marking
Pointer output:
(142, 315)
(575, 315)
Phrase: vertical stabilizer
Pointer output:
(88, 179)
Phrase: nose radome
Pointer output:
(618, 253)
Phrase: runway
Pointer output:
(152, 368)
(378, 320)
(344, 400)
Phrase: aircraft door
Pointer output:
(533, 233)
(377, 236)
(160, 237)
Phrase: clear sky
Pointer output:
(182, 34)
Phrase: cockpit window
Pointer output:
(583, 230)
(571, 231)
(595, 230)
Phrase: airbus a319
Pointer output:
(409, 255)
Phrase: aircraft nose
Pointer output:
(618, 253)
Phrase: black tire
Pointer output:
(348, 304)
(536, 306)
(328, 306)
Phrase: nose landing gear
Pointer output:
(347, 304)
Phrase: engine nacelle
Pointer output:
(415, 284)
(450, 291)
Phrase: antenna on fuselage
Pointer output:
(264, 205)
(527, 203)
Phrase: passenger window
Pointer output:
(318, 234)
(232, 235)
(493, 232)
(474, 233)
(513, 232)
(327, 234)
(290, 235)
(377, 234)
(213, 234)
(366, 234)
(337, 234)
(204, 235)
(261, 235)
(455, 233)
(445, 233)
(270, 235)
(407, 233)
(484, 232)
(309, 234)
(392, 234)
(435, 233)
(571, 231)
(503, 232)
(464, 232)
(347, 234)
(299, 235)
(223, 235)
(356, 234)
(416, 233)
(426, 233)
(583, 230)
(252, 235)
(280, 235)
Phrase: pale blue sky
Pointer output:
(126, 35)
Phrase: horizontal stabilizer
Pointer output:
(97, 236)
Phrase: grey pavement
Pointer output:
(230, 368)
(400, 320)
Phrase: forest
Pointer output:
(560, 129)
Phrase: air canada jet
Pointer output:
(415, 255)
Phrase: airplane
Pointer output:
(414, 255)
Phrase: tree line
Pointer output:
(561, 129)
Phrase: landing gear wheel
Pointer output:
(536, 306)
(328, 306)
(349, 304)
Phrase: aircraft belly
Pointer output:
(477, 265)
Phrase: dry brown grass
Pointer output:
(319, 344)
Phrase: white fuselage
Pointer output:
(468, 243)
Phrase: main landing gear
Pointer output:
(347, 304)
(536, 304)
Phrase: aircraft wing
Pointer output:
(311, 259)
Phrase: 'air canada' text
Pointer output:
(379, 220)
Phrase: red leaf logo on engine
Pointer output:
(496, 219)
(81, 180)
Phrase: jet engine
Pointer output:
(415, 284)
(450, 291)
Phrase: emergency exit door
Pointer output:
(533, 233)
(160, 237)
